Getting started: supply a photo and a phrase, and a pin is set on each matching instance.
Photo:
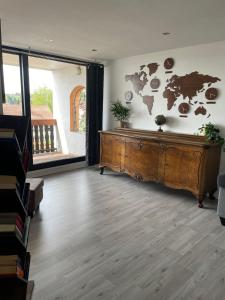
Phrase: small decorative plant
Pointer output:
(212, 133)
(119, 111)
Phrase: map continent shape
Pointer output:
(200, 111)
(148, 100)
(138, 80)
(153, 67)
(188, 86)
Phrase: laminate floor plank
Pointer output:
(112, 238)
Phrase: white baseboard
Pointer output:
(58, 169)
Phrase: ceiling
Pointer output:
(40, 63)
(116, 28)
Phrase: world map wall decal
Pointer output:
(184, 89)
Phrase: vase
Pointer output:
(124, 124)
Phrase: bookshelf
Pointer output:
(14, 201)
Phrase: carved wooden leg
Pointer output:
(200, 204)
(200, 200)
(102, 170)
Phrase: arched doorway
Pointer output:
(78, 109)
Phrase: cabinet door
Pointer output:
(111, 150)
(141, 159)
(182, 166)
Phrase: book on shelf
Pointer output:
(11, 229)
(8, 182)
(16, 221)
(9, 260)
(12, 218)
(13, 242)
(12, 269)
(12, 223)
(12, 176)
(7, 133)
(11, 215)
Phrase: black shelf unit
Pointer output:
(14, 200)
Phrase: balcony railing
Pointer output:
(44, 136)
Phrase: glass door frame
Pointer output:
(2, 90)
(25, 90)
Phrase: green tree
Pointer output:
(42, 96)
(13, 98)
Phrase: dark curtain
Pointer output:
(2, 92)
(95, 80)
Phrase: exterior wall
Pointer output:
(207, 59)
(65, 80)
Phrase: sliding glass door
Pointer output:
(58, 110)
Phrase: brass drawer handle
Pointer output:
(140, 145)
(163, 146)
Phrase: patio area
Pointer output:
(46, 142)
(52, 156)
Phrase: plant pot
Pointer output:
(124, 124)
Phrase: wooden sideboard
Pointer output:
(180, 161)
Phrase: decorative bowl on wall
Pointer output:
(160, 120)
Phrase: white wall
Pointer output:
(107, 116)
(65, 80)
(207, 59)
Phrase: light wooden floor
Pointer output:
(109, 237)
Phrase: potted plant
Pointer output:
(212, 133)
(120, 112)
